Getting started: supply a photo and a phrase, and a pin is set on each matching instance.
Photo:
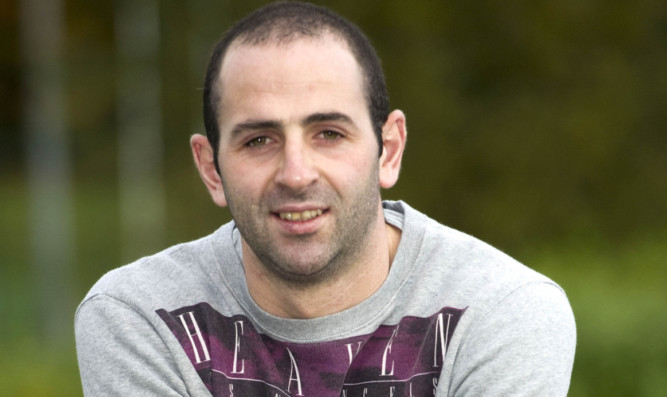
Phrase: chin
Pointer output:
(306, 274)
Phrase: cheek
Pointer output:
(243, 179)
(351, 171)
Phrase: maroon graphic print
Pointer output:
(233, 359)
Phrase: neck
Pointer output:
(283, 299)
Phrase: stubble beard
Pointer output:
(311, 261)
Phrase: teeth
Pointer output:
(300, 216)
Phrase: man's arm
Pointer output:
(121, 354)
(523, 347)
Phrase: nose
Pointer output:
(297, 170)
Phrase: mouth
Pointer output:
(300, 216)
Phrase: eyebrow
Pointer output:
(255, 125)
(323, 117)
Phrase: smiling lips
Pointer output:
(300, 216)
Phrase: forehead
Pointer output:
(298, 50)
(301, 70)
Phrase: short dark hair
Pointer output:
(283, 22)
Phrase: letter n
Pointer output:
(199, 336)
(442, 335)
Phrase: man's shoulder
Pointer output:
(179, 267)
(479, 261)
(462, 262)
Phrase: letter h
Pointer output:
(199, 336)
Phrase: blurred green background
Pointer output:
(538, 126)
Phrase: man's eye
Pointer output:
(259, 141)
(330, 135)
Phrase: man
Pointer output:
(317, 288)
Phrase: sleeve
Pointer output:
(121, 354)
(523, 347)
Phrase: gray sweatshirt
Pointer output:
(455, 317)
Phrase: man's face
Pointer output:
(298, 156)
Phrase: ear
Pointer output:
(394, 135)
(204, 160)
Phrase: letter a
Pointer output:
(294, 374)
(199, 336)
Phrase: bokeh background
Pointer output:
(538, 126)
